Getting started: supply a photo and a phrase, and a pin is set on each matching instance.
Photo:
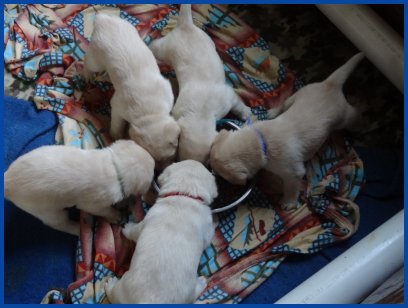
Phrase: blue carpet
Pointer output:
(36, 257)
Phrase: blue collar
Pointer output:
(262, 142)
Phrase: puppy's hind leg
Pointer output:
(241, 110)
(201, 284)
(275, 111)
(292, 182)
(91, 60)
(352, 120)
(60, 221)
(208, 236)
(132, 230)
(109, 285)
(111, 214)
(103, 210)
(159, 49)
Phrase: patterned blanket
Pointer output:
(45, 45)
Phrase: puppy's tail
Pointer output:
(339, 77)
(276, 111)
(185, 17)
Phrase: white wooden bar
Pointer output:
(353, 275)
(383, 46)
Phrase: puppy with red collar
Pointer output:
(170, 240)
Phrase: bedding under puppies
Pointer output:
(170, 240)
(282, 145)
(204, 96)
(143, 97)
(49, 179)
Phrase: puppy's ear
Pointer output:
(240, 177)
(239, 173)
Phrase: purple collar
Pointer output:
(262, 142)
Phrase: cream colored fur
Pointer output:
(143, 97)
(49, 179)
(292, 138)
(170, 241)
(204, 96)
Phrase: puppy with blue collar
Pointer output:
(282, 145)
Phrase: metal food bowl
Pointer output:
(229, 195)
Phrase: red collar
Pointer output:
(182, 195)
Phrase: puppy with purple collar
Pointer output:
(170, 240)
(282, 145)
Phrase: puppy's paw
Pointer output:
(253, 118)
(86, 74)
(110, 283)
(247, 113)
(154, 46)
(289, 205)
(202, 281)
(128, 229)
(242, 111)
(201, 284)
(274, 112)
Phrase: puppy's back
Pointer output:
(167, 255)
(123, 53)
(193, 49)
(323, 103)
(112, 26)
(117, 39)
(41, 170)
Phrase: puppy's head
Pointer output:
(196, 138)
(226, 161)
(159, 136)
(190, 177)
(136, 166)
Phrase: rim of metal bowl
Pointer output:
(234, 203)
